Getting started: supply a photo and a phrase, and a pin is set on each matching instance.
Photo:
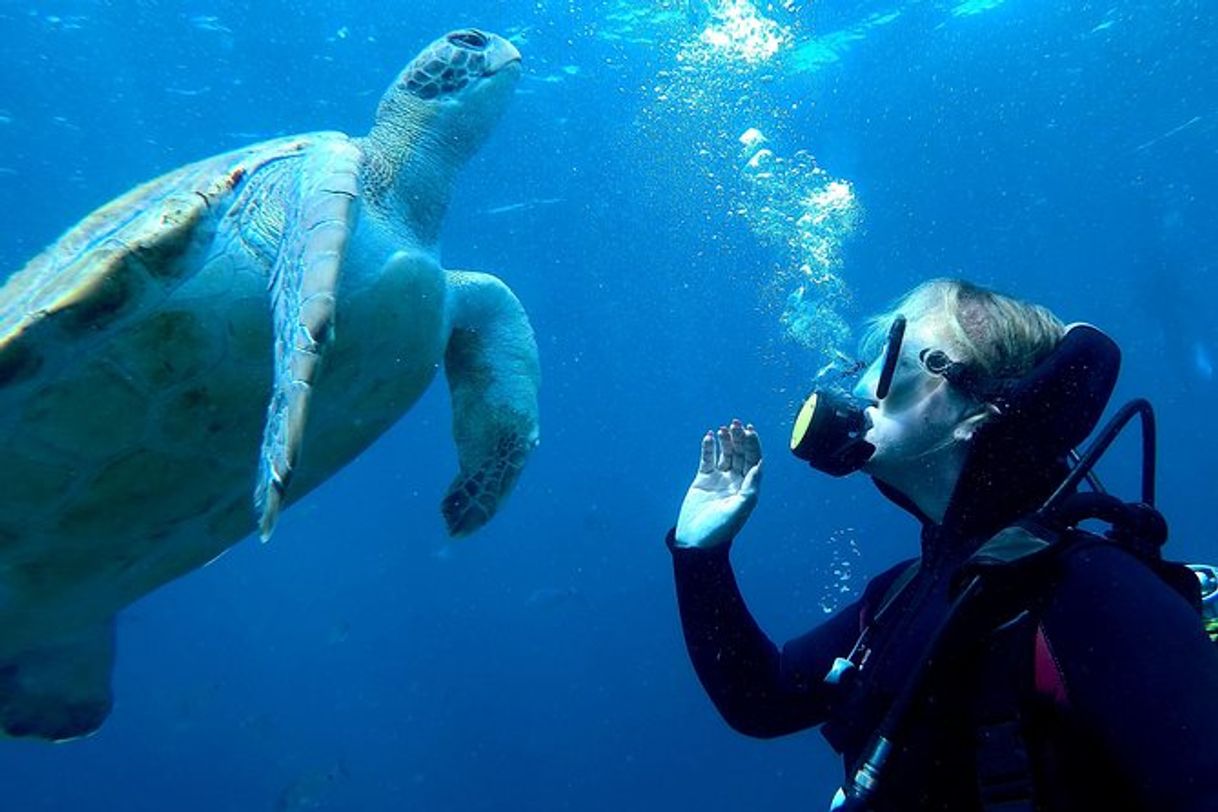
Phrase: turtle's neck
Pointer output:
(409, 172)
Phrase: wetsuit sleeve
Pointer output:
(1140, 672)
(759, 689)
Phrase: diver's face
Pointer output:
(921, 414)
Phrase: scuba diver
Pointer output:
(1019, 663)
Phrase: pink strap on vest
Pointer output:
(1048, 677)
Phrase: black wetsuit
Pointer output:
(1130, 721)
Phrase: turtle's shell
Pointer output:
(135, 368)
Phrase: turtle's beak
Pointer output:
(500, 54)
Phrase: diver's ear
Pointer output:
(967, 428)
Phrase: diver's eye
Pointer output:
(470, 39)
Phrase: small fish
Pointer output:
(188, 91)
(970, 8)
(73, 22)
(209, 22)
(524, 205)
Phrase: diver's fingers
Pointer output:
(708, 453)
(752, 447)
(737, 432)
(725, 449)
(752, 481)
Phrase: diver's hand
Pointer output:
(724, 492)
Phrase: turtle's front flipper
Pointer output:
(303, 284)
(59, 689)
(493, 375)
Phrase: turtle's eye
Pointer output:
(469, 39)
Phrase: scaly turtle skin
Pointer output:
(165, 362)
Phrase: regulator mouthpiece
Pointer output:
(828, 433)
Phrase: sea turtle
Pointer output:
(158, 362)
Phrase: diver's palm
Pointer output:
(724, 490)
(710, 505)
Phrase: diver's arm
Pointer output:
(758, 689)
(1141, 673)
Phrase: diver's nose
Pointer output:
(865, 388)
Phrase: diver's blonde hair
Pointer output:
(1003, 336)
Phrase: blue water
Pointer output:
(1063, 151)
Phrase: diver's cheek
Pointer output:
(902, 438)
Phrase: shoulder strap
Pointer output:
(1004, 768)
(897, 587)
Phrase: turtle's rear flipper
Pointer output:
(60, 689)
(493, 376)
(303, 283)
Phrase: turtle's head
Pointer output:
(451, 95)
(434, 116)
